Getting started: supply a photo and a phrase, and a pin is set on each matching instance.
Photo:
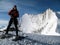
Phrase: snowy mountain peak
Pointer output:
(49, 10)
(44, 23)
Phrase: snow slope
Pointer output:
(32, 39)
(44, 23)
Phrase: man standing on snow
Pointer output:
(14, 14)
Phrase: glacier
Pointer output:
(44, 23)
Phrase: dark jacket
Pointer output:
(14, 13)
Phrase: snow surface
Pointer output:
(32, 39)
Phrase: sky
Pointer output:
(27, 6)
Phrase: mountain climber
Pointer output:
(14, 14)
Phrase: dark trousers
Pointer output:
(15, 22)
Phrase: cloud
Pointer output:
(58, 26)
(3, 22)
(58, 12)
(5, 5)
(58, 21)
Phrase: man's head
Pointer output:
(15, 7)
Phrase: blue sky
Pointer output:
(27, 6)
